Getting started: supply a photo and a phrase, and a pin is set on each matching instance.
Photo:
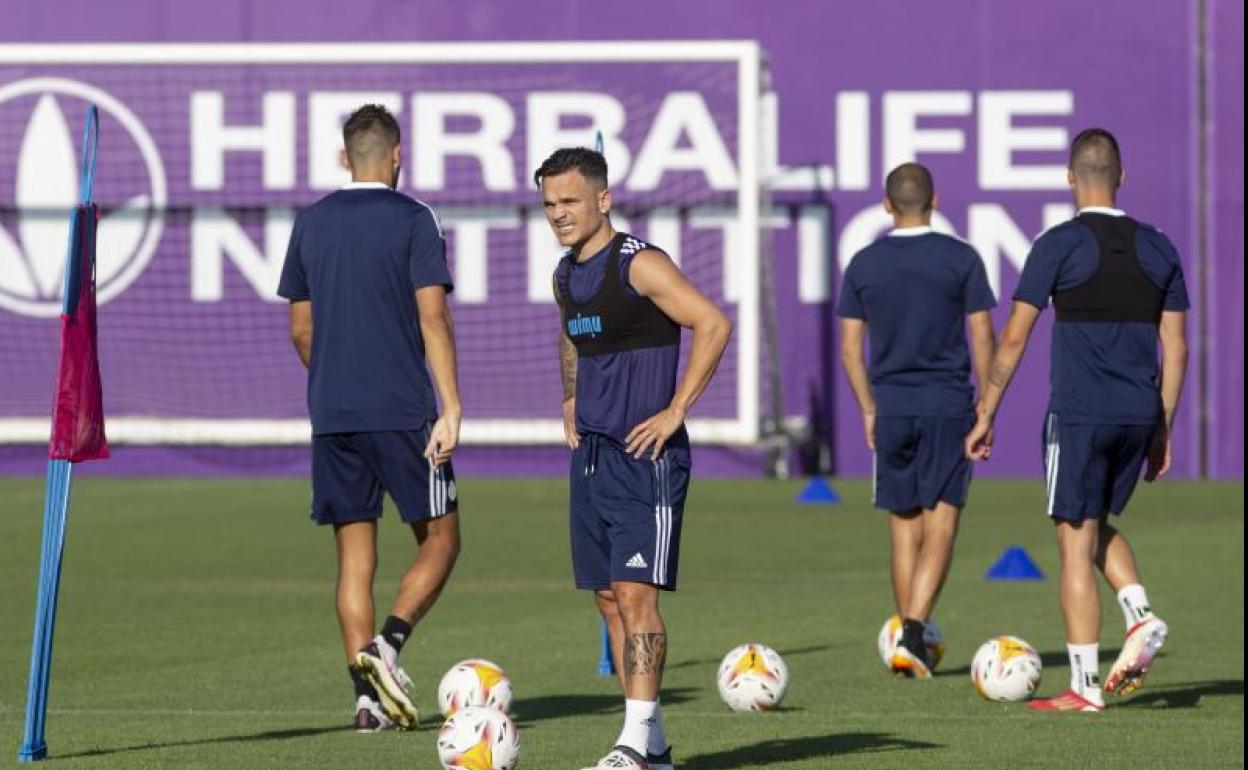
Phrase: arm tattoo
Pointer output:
(645, 654)
(567, 366)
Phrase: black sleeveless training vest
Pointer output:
(1119, 291)
(613, 320)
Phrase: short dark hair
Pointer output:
(910, 189)
(1095, 158)
(591, 164)
(369, 131)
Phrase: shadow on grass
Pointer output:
(715, 661)
(530, 710)
(270, 735)
(1047, 659)
(1186, 695)
(796, 749)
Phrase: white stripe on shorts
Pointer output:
(1053, 453)
(662, 522)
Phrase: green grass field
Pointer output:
(197, 630)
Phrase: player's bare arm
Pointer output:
(983, 345)
(438, 331)
(654, 276)
(1172, 333)
(853, 358)
(567, 373)
(301, 329)
(1004, 363)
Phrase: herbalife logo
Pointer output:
(39, 192)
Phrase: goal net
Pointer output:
(209, 151)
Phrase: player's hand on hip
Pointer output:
(569, 423)
(654, 433)
(868, 427)
(443, 439)
(1158, 455)
(979, 440)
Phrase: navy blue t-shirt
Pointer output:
(1101, 373)
(914, 288)
(359, 254)
(616, 391)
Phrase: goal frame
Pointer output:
(741, 430)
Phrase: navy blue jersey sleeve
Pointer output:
(976, 292)
(1040, 273)
(1175, 287)
(293, 284)
(426, 257)
(850, 305)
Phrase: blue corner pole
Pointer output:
(55, 507)
(606, 664)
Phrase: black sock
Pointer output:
(363, 687)
(912, 636)
(396, 631)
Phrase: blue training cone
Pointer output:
(1014, 564)
(819, 492)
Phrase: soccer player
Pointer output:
(916, 292)
(367, 281)
(1117, 287)
(623, 304)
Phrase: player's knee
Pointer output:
(637, 603)
(607, 605)
(440, 535)
(940, 530)
(357, 572)
(357, 562)
(1107, 530)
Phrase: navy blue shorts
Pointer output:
(626, 515)
(921, 461)
(350, 471)
(1091, 470)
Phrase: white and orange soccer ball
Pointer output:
(1005, 668)
(753, 677)
(479, 738)
(474, 682)
(890, 636)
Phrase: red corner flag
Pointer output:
(78, 414)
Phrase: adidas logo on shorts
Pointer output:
(637, 562)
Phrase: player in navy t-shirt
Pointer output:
(1117, 287)
(367, 281)
(916, 292)
(623, 303)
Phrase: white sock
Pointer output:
(1134, 604)
(638, 720)
(1085, 677)
(657, 744)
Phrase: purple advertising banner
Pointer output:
(1224, 355)
(212, 158)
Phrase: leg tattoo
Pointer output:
(645, 654)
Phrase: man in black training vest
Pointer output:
(623, 304)
(1117, 287)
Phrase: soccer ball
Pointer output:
(753, 677)
(1006, 668)
(479, 738)
(890, 636)
(474, 682)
